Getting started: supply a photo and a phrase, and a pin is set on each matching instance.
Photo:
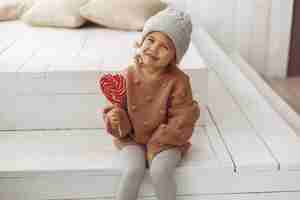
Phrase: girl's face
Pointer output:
(157, 50)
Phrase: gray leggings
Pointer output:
(161, 172)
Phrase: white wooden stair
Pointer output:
(51, 74)
(244, 150)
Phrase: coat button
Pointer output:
(182, 95)
(165, 84)
(164, 126)
(137, 82)
(133, 107)
(179, 124)
(146, 123)
(149, 98)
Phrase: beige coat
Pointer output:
(159, 114)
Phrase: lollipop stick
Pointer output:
(120, 131)
(119, 126)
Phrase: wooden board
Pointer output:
(55, 150)
(63, 111)
(280, 139)
(245, 196)
(247, 150)
(229, 155)
(52, 162)
(268, 109)
(7, 39)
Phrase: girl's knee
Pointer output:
(164, 164)
(135, 172)
(158, 172)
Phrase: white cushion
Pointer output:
(121, 14)
(179, 4)
(26, 5)
(59, 13)
(10, 9)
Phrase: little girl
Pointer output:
(160, 114)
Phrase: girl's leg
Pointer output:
(162, 170)
(134, 164)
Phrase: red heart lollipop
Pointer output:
(114, 88)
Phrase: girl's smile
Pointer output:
(158, 50)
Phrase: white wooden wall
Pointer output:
(258, 29)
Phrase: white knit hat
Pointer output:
(176, 24)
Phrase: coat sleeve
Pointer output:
(183, 112)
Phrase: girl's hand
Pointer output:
(115, 117)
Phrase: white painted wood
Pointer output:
(270, 95)
(248, 151)
(235, 127)
(288, 157)
(37, 109)
(8, 112)
(259, 30)
(216, 141)
(49, 165)
(56, 72)
(252, 31)
(59, 111)
(244, 26)
(60, 47)
(259, 43)
(88, 155)
(266, 123)
(18, 52)
(279, 39)
(210, 141)
(6, 38)
(80, 77)
(245, 196)
(48, 55)
(217, 17)
(209, 166)
(68, 185)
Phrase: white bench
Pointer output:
(244, 151)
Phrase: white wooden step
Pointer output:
(82, 164)
(272, 130)
(6, 38)
(243, 196)
(229, 156)
(57, 111)
(51, 75)
(70, 60)
(278, 104)
(248, 150)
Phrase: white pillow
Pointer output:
(10, 9)
(121, 14)
(26, 4)
(59, 13)
(178, 4)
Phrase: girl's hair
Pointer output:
(137, 56)
(138, 59)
